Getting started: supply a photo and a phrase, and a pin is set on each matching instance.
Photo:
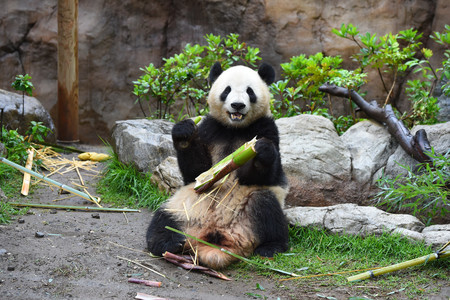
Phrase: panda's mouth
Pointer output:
(236, 117)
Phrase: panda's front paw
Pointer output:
(183, 133)
(266, 151)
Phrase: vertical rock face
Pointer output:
(116, 38)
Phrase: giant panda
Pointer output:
(244, 214)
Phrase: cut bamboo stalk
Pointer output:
(78, 172)
(27, 176)
(400, 266)
(145, 282)
(74, 207)
(51, 181)
(225, 166)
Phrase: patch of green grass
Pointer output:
(123, 185)
(314, 251)
(11, 183)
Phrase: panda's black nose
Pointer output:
(237, 105)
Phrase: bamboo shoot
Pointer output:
(27, 176)
(225, 166)
(399, 266)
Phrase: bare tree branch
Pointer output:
(416, 146)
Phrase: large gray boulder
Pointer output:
(370, 146)
(12, 106)
(352, 219)
(362, 220)
(311, 149)
(143, 143)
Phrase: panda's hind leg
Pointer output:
(270, 224)
(160, 239)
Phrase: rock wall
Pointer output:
(116, 38)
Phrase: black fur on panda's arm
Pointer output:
(160, 239)
(270, 223)
(193, 157)
(265, 168)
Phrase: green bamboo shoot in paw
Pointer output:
(230, 163)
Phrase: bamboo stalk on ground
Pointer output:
(74, 207)
(400, 266)
(51, 181)
(225, 166)
(27, 176)
(188, 263)
(145, 282)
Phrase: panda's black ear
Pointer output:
(267, 73)
(215, 72)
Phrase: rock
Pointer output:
(352, 219)
(439, 137)
(39, 234)
(370, 146)
(34, 111)
(443, 102)
(143, 143)
(167, 175)
(437, 235)
(311, 149)
(411, 234)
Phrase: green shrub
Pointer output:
(424, 191)
(393, 56)
(184, 77)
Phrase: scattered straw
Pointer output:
(141, 265)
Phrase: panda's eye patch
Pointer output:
(225, 93)
(251, 95)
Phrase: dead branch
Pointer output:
(416, 146)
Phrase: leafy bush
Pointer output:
(298, 90)
(425, 191)
(392, 56)
(183, 77)
(17, 145)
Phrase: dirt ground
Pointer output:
(83, 255)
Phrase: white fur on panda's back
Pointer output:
(239, 78)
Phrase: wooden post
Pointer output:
(68, 71)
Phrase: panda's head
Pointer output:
(239, 95)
